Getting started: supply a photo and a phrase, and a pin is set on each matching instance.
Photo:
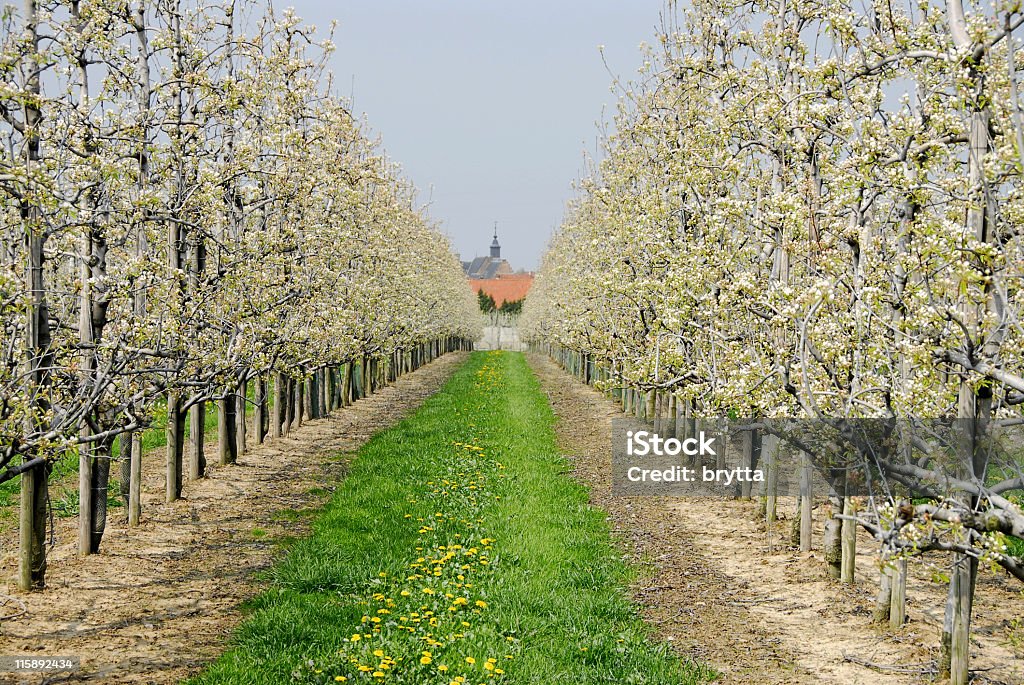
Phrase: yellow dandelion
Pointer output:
(470, 660)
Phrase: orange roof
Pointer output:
(505, 288)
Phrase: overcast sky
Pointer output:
(487, 105)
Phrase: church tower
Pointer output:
(495, 247)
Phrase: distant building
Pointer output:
(504, 288)
(488, 267)
(495, 276)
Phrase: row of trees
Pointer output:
(186, 211)
(488, 305)
(815, 209)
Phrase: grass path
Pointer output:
(457, 550)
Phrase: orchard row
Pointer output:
(814, 209)
(187, 210)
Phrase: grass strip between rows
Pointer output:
(457, 550)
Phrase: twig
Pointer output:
(889, 668)
(757, 601)
(7, 599)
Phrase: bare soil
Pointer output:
(727, 592)
(162, 599)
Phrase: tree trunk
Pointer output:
(769, 449)
(751, 456)
(806, 502)
(656, 418)
(32, 528)
(175, 446)
(196, 436)
(279, 412)
(259, 419)
(883, 601)
(227, 449)
(309, 397)
(326, 391)
(289, 404)
(346, 384)
(335, 389)
(795, 528)
(99, 484)
(670, 415)
(832, 539)
(124, 467)
(240, 412)
(849, 537)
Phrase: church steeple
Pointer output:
(495, 247)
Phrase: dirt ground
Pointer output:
(161, 600)
(727, 593)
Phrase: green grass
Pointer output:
(457, 534)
